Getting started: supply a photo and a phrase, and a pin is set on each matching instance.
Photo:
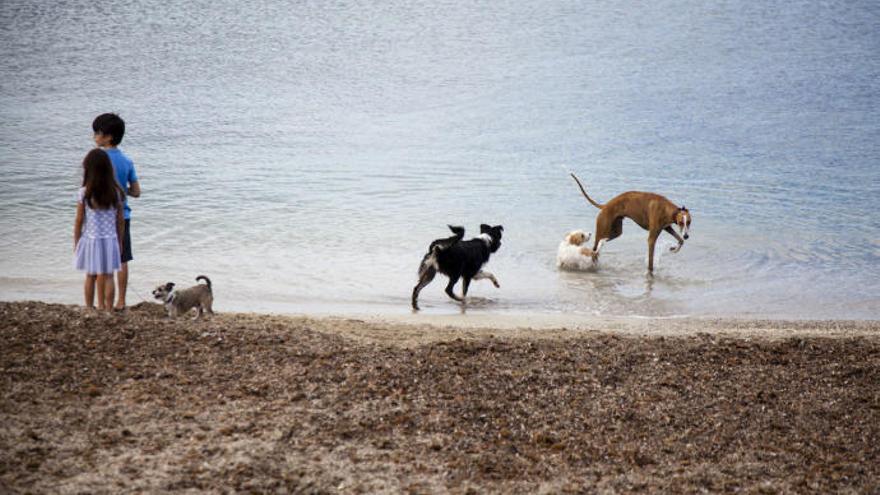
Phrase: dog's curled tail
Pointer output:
(206, 279)
(457, 230)
(584, 192)
(441, 244)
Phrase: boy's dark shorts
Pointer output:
(126, 242)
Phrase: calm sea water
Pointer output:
(304, 154)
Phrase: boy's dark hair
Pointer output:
(110, 124)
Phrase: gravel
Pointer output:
(135, 402)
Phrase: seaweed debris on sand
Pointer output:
(136, 402)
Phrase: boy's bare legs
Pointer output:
(89, 290)
(122, 279)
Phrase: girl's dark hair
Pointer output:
(102, 190)
(110, 124)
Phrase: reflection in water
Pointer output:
(613, 287)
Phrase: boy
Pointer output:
(109, 129)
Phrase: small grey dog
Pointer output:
(178, 302)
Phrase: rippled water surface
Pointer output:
(304, 154)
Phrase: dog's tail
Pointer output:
(446, 243)
(597, 205)
(458, 231)
(206, 279)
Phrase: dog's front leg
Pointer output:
(652, 241)
(596, 248)
(482, 274)
(673, 233)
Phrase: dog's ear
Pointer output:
(484, 228)
(169, 286)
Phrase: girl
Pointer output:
(97, 230)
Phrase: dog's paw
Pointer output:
(675, 249)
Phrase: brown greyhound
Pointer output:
(650, 211)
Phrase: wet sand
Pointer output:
(107, 403)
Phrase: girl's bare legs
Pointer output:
(109, 291)
(89, 290)
(106, 291)
(100, 286)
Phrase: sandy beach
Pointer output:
(134, 402)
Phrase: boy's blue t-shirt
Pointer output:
(125, 174)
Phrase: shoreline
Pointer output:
(503, 309)
(412, 329)
(420, 328)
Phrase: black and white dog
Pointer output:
(457, 259)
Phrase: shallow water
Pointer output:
(303, 156)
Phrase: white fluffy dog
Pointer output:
(571, 254)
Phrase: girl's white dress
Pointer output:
(98, 248)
